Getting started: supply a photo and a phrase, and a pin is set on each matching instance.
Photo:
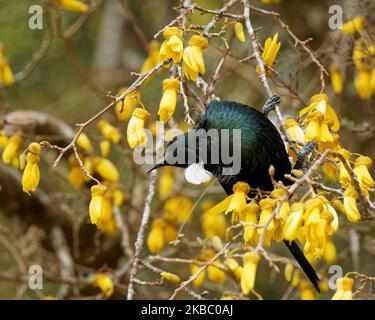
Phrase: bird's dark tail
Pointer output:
(304, 263)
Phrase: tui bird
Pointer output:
(260, 146)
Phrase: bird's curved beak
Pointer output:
(156, 166)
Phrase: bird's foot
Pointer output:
(271, 104)
(306, 150)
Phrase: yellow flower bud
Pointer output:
(200, 279)
(238, 30)
(136, 134)
(350, 206)
(98, 204)
(118, 197)
(104, 283)
(84, 142)
(171, 277)
(250, 263)
(288, 272)
(105, 147)
(73, 5)
(330, 253)
(109, 132)
(11, 149)
(166, 183)
(124, 109)
(106, 169)
(343, 289)
(336, 79)
(307, 291)
(215, 274)
(31, 174)
(354, 25)
(234, 266)
(362, 83)
(168, 100)
(155, 239)
(361, 166)
(6, 73)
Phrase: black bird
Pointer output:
(261, 146)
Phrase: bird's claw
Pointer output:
(306, 150)
(270, 104)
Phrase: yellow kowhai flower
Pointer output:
(373, 80)
(118, 197)
(294, 130)
(170, 232)
(193, 62)
(336, 79)
(296, 278)
(271, 48)
(238, 31)
(354, 25)
(105, 147)
(106, 169)
(153, 57)
(215, 274)
(107, 223)
(84, 142)
(238, 201)
(314, 228)
(344, 176)
(155, 239)
(73, 5)
(234, 202)
(361, 166)
(234, 267)
(3, 140)
(200, 278)
(362, 54)
(6, 73)
(306, 291)
(31, 174)
(166, 183)
(125, 108)
(294, 222)
(250, 263)
(350, 206)
(171, 277)
(109, 132)
(317, 128)
(212, 224)
(99, 204)
(320, 103)
(76, 176)
(136, 133)
(11, 149)
(288, 271)
(172, 47)
(177, 209)
(169, 98)
(104, 283)
(249, 215)
(330, 254)
(343, 289)
(362, 83)
(266, 206)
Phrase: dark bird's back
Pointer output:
(261, 144)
